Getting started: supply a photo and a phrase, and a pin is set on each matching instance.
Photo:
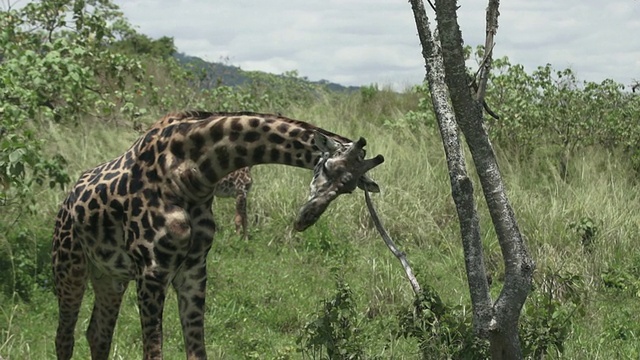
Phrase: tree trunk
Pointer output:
(449, 84)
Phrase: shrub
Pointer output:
(336, 329)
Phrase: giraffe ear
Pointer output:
(324, 143)
(366, 183)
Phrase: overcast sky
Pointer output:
(361, 42)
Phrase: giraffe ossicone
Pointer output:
(146, 216)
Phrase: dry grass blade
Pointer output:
(391, 245)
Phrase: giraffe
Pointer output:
(237, 185)
(146, 216)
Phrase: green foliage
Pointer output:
(67, 65)
(22, 164)
(279, 92)
(625, 279)
(622, 329)
(621, 279)
(549, 314)
(587, 229)
(226, 98)
(323, 240)
(336, 331)
(554, 107)
(139, 44)
(368, 93)
(447, 330)
(26, 264)
(415, 120)
(199, 88)
(55, 64)
(545, 326)
(442, 331)
(260, 292)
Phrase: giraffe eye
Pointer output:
(333, 168)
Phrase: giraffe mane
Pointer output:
(206, 115)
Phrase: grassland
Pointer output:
(264, 291)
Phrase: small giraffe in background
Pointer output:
(237, 185)
(146, 216)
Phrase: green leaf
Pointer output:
(16, 155)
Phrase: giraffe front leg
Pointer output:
(108, 297)
(190, 285)
(151, 296)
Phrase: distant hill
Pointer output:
(222, 74)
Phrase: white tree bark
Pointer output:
(448, 84)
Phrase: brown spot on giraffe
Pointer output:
(146, 216)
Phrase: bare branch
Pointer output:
(391, 245)
(474, 85)
(481, 66)
(489, 111)
(432, 6)
(492, 29)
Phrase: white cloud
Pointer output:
(359, 42)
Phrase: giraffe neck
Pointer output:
(206, 148)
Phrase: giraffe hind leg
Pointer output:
(70, 279)
(241, 214)
(108, 297)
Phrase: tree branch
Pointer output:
(391, 245)
(518, 264)
(491, 30)
(431, 4)
(498, 321)
(461, 185)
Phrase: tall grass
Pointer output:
(262, 292)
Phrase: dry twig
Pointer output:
(391, 245)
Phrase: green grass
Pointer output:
(262, 293)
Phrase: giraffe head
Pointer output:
(340, 170)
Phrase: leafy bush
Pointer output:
(336, 330)
(416, 120)
(26, 264)
(623, 278)
(448, 330)
(620, 279)
(587, 229)
(554, 107)
(279, 92)
(56, 64)
(549, 313)
(440, 329)
(546, 324)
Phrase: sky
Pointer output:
(363, 42)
